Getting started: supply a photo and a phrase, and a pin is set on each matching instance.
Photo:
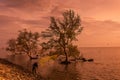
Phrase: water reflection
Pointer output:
(63, 72)
(51, 70)
(105, 67)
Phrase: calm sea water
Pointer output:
(106, 66)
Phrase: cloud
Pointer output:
(100, 33)
(7, 19)
(98, 17)
(27, 5)
(98, 9)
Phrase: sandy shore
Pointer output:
(10, 71)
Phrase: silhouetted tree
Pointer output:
(12, 46)
(27, 42)
(61, 34)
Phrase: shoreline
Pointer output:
(10, 71)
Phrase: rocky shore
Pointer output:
(10, 71)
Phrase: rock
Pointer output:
(83, 59)
(65, 62)
(90, 60)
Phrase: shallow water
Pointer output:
(106, 66)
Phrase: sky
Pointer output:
(100, 19)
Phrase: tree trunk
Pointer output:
(66, 55)
(30, 58)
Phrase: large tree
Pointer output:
(61, 33)
(27, 42)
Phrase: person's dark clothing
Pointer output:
(34, 67)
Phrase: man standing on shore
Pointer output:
(34, 67)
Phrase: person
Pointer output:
(34, 67)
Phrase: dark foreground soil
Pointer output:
(10, 71)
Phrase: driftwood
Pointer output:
(31, 58)
(89, 60)
(83, 59)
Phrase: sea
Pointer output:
(106, 65)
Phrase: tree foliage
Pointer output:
(27, 42)
(61, 34)
(12, 46)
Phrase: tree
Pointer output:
(12, 46)
(26, 43)
(61, 33)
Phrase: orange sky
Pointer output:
(100, 18)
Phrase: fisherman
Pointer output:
(34, 67)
